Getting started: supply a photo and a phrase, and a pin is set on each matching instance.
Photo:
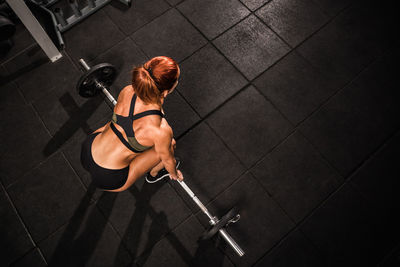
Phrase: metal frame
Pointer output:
(61, 24)
(34, 27)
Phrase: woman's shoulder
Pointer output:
(126, 89)
(161, 130)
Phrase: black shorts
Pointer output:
(103, 178)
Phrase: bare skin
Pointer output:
(109, 152)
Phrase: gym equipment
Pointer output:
(35, 27)
(231, 216)
(80, 14)
(97, 79)
(47, 26)
(7, 28)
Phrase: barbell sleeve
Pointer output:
(213, 220)
(84, 64)
(231, 242)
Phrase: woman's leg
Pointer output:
(142, 164)
(139, 166)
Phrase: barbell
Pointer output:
(98, 79)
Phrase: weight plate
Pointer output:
(103, 73)
(232, 213)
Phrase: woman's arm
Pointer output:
(162, 145)
(101, 128)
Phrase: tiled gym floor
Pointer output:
(288, 109)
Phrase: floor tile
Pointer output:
(64, 104)
(213, 17)
(207, 165)
(169, 35)
(294, 250)
(86, 240)
(124, 56)
(33, 258)
(45, 200)
(63, 112)
(392, 259)
(182, 248)
(261, 125)
(143, 214)
(23, 137)
(358, 119)
(72, 151)
(296, 176)
(14, 239)
(10, 94)
(141, 12)
(349, 43)
(36, 76)
(84, 40)
(345, 230)
(174, 2)
(254, 4)
(251, 46)
(262, 223)
(378, 181)
(22, 39)
(332, 7)
(208, 79)
(295, 87)
(294, 21)
(180, 116)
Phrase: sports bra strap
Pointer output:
(121, 137)
(132, 107)
(146, 113)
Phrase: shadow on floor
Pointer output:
(26, 68)
(78, 119)
(157, 230)
(76, 245)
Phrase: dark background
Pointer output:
(288, 109)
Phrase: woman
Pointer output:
(138, 139)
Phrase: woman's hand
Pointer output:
(179, 176)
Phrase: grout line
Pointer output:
(108, 221)
(251, 82)
(139, 47)
(324, 104)
(19, 53)
(14, 84)
(24, 225)
(373, 154)
(142, 26)
(306, 217)
(76, 173)
(295, 47)
(323, 202)
(391, 252)
(41, 162)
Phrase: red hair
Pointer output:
(157, 75)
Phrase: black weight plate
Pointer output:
(104, 73)
(222, 223)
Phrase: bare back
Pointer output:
(108, 151)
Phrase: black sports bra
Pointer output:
(126, 124)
